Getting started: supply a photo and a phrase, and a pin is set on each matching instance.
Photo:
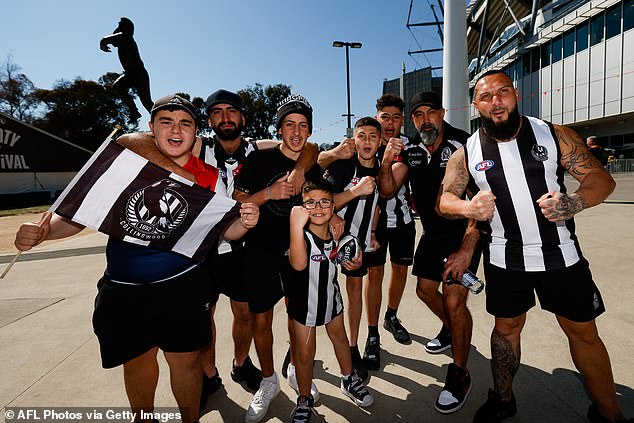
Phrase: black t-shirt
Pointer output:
(426, 172)
(261, 169)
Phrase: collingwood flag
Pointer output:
(125, 196)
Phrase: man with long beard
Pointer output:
(424, 159)
(515, 165)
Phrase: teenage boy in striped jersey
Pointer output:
(514, 166)
(357, 202)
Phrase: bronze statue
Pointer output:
(134, 72)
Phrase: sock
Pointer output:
(390, 312)
(291, 368)
(373, 331)
(272, 378)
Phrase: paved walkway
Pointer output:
(49, 355)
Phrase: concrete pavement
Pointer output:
(49, 355)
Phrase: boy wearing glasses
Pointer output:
(357, 203)
(314, 296)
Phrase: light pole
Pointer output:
(347, 45)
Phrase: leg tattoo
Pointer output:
(505, 362)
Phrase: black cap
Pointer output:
(426, 98)
(294, 103)
(174, 101)
(223, 97)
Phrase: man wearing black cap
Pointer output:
(424, 160)
(150, 299)
(227, 151)
(263, 180)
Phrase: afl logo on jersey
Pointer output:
(484, 165)
(539, 153)
(318, 257)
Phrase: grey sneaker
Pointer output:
(354, 388)
(304, 409)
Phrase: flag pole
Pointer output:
(116, 129)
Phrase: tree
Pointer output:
(260, 107)
(83, 112)
(16, 92)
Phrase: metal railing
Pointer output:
(621, 166)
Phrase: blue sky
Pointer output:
(200, 46)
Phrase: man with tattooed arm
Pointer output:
(514, 166)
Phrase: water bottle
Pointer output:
(469, 280)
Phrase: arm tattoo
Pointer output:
(457, 177)
(575, 157)
(568, 206)
(504, 364)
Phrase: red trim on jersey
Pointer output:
(206, 175)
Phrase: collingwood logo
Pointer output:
(539, 153)
(444, 156)
(154, 211)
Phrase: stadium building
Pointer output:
(569, 59)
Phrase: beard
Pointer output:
(502, 130)
(428, 137)
(229, 133)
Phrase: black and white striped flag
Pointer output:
(124, 195)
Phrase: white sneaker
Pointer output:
(269, 388)
(292, 381)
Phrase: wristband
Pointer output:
(268, 189)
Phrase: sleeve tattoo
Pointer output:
(575, 157)
(457, 177)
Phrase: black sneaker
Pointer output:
(304, 409)
(247, 373)
(372, 353)
(393, 325)
(594, 416)
(210, 386)
(440, 343)
(455, 392)
(354, 388)
(287, 360)
(357, 364)
(495, 410)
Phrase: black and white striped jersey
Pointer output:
(228, 165)
(358, 213)
(397, 210)
(518, 172)
(315, 297)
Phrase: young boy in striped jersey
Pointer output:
(314, 299)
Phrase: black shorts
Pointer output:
(369, 259)
(265, 273)
(400, 241)
(432, 250)
(226, 272)
(173, 315)
(570, 292)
